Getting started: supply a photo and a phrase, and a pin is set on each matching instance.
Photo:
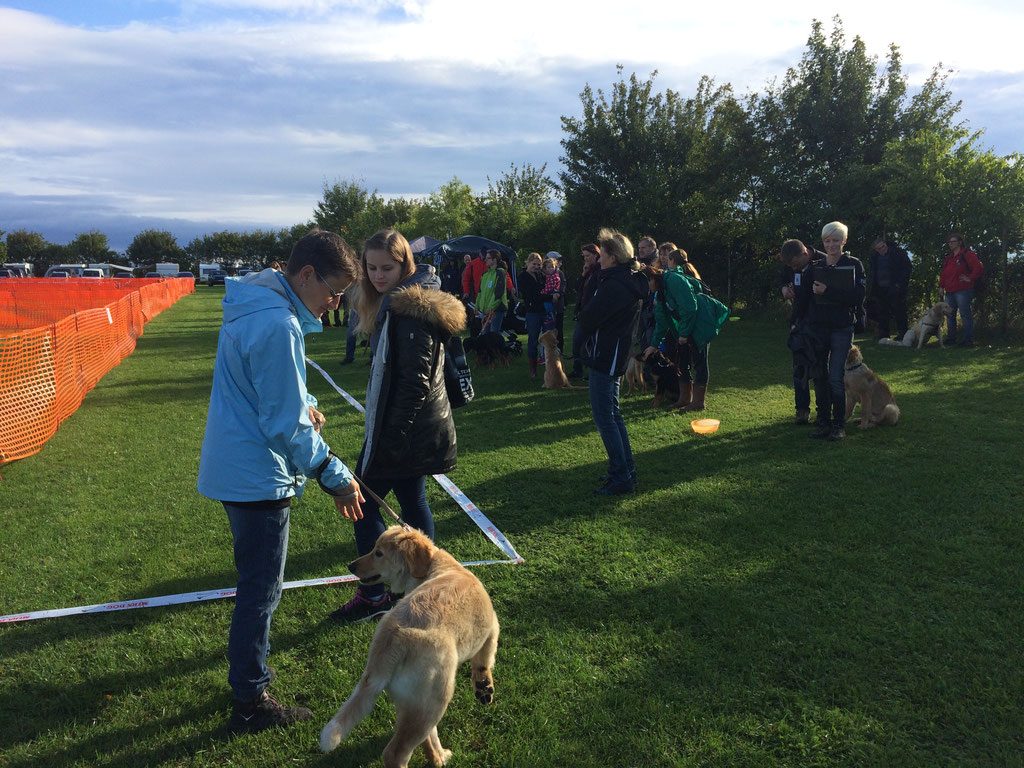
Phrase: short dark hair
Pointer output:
(327, 253)
(591, 248)
(790, 250)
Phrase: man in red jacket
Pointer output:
(960, 271)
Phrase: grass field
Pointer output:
(763, 600)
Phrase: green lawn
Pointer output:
(764, 599)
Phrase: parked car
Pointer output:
(90, 272)
(57, 273)
(6, 273)
(186, 274)
(153, 274)
(244, 272)
(216, 277)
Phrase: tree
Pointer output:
(152, 246)
(447, 212)
(342, 202)
(3, 248)
(91, 247)
(515, 204)
(23, 245)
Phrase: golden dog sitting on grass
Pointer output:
(554, 373)
(445, 618)
(877, 405)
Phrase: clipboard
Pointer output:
(837, 280)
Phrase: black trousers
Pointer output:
(890, 306)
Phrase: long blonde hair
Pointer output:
(367, 299)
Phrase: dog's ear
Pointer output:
(416, 551)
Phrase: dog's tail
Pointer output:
(907, 341)
(890, 414)
(383, 659)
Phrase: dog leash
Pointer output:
(380, 502)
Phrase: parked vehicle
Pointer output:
(186, 274)
(56, 273)
(69, 270)
(244, 272)
(90, 272)
(216, 278)
(167, 269)
(153, 274)
(6, 273)
(20, 269)
(206, 269)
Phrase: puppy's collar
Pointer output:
(855, 367)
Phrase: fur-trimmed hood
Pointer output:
(431, 306)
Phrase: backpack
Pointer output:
(458, 381)
(711, 313)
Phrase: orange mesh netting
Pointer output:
(57, 339)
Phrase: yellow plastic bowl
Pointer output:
(705, 426)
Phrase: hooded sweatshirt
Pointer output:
(260, 443)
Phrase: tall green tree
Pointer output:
(91, 246)
(447, 212)
(154, 245)
(518, 202)
(26, 246)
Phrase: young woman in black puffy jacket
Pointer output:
(409, 428)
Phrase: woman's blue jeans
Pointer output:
(534, 321)
(829, 390)
(494, 325)
(960, 301)
(411, 493)
(604, 404)
(261, 545)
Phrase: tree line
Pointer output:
(728, 178)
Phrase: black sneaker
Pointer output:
(262, 713)
(837, 434)
(362, 608)
(802, 417)
(615, 489)
(823, 431)
(632, 478)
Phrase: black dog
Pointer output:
(666, 377)
(490, 348)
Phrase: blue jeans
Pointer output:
(494, 325)
(261, 545)
(534, 321)
(829, 390)
(960, 301)
(411, 493)
(350, 339)
(604, 404)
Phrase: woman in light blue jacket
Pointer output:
(262, 440)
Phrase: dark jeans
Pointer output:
(260, 545)
(350, 339)
(411, 493)
(494, 325)
(890, 304)
(534, 321)
(577, 347)
(801, 387)
(960, 301)
(604, 405)
(829, 390)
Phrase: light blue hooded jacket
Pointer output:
(260, 443)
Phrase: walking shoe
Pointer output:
(614, 489)
(802, 417)
(837, 434)
(347, 360)
(632, 478)
(823, 431)
(361, 608)
(262, 713)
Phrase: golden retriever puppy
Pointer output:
(929, 325)
(554, 373)
(445, 618)
(634, 375)
(877, 405)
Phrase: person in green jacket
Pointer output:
(676, 316)
(494, 292)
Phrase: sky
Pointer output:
(198, 116)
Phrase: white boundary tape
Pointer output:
(478, 517)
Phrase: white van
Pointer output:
(167, 269)
(205, 270)
(20, 269)
(71, 270)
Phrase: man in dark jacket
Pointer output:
(796, 259)
(609, 321)
(585, 286)
(888, 277)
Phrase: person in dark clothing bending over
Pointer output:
(888, 277)
(828, 301)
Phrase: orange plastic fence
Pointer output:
(58, 337)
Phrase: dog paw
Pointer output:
(484, 691)
(330, 737)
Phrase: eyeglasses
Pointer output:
(334, 294)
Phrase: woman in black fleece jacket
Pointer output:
(830, 310)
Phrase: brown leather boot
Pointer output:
(697, 404)
(685, 395)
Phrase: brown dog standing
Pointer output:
(554, 373)
(877, 405)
